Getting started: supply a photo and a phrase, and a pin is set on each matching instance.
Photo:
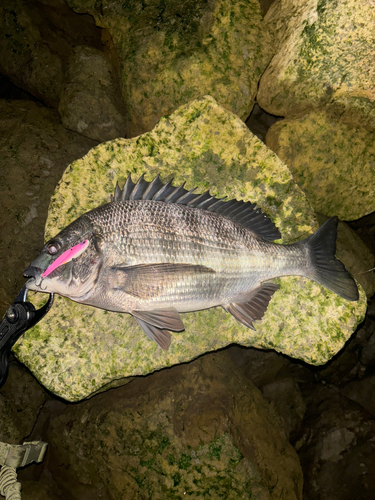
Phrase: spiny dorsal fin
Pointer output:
(245, 213)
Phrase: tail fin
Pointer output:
(327, 270)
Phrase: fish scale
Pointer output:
(155, 228)
(190, 245)
(157, 250)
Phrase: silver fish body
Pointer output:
(154, 258)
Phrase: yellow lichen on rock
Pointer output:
(324, 58)
(333, 163)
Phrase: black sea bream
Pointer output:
(157, 250)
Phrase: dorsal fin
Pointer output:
(243, 212)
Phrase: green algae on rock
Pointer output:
(333, 163)
(173, 52)
(80, 349)
(197, 430)
(324, 58)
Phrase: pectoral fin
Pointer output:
(253, 308)
(146, 281)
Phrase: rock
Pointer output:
(265, 5)
(333, 163)
(361, 391)
(35, 150)
(89, 103)
(284, 394)
(322, 59)
(338, 454)
(278, 378)
(27, 59)
(20, 401)
(171, 53)
(259, 366)
(259, 122)
(365, 228)
(80, 349)
(357, 257)
(368, 352)
(40, 490)
(354, 362)
(344, 366)
(35, 42)
(197, 430)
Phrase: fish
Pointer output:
(157, 250)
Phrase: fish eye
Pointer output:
(53, 247)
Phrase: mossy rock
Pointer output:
(76, 350)
(324, 58)
(200, 430)
(173, 52)
(333, 163)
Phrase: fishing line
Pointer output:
(365, 272)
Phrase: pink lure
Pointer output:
(65, 257)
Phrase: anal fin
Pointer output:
(253, 308)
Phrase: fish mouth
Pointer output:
(34, 273)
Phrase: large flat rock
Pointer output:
(77, 350)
